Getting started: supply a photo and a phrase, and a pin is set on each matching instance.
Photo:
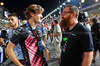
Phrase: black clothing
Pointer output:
(95, 30)
(74, 43)
(96, 36)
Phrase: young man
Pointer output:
(77, 44)
(29, 37)
(57, 37)
(13, 21)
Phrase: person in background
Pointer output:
(13, 21)
(95, 29)
(88, 23)
(48, 36)
(29, 37)
(44, 34)
(77, 45)
(57, 37)
(46, 26)
(51, 31)
(3, 56)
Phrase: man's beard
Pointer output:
(66, 22)
(12, 25)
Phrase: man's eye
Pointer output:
(11, 19)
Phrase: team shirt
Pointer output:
(31, 45)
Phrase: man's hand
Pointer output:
(46, 51)
(2, 41)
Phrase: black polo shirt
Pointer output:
(74, 43)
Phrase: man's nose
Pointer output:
(41, 16)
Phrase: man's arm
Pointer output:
(11, 54)
(46, 51)
(57, 34)
(87, 58)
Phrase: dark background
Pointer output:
(19, 6)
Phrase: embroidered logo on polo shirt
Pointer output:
(74, 34)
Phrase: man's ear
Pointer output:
(74, 14)
(32, 14)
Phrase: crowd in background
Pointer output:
(56, 34)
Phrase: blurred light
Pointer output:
(48, 17)
(82, 1)
(60, 6)
(59, 12)
(57, 8)
(41, 21)
(68, 0)
(2, 19)
(96, 0)
(79, 7)
(1, 3)
(64, 4)
(54, 15)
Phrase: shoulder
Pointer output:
(21, 29)
(58, 26)
(23, 26)
(82, 28)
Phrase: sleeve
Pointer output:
(16, 38)
(87, 42)
(58, 29)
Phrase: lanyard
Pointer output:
(66, 38)
(65, 42)
(35, 33)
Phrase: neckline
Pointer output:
(27, 24)
(73, 27)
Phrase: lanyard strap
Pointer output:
(66, 38)
(35, 32)
(70, 35)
